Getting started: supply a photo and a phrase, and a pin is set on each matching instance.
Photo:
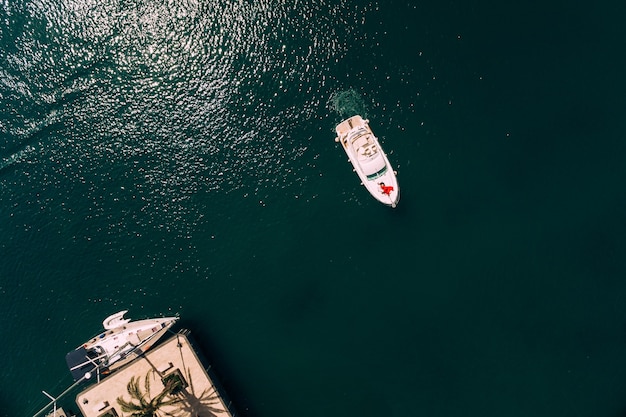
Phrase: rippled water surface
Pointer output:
(178, 157)
(172, 98)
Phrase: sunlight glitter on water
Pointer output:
(170, 100)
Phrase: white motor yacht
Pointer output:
(122, 341)
(368, 159)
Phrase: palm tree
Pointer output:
(141, 405)
(178, 391)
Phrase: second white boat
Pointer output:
(368, 159)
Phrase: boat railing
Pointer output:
(54, 400)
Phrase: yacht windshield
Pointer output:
(377, 174)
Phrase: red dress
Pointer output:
(387, 189)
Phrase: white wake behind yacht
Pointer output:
(122, 341)
(369, 160)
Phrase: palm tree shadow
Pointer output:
(182, 393)
(204, 404)
(207, 404)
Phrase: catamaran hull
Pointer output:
(122, 342)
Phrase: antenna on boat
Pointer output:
(54, 400)
(88, 374)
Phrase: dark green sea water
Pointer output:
(178, 157)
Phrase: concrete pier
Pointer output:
(142, 382)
